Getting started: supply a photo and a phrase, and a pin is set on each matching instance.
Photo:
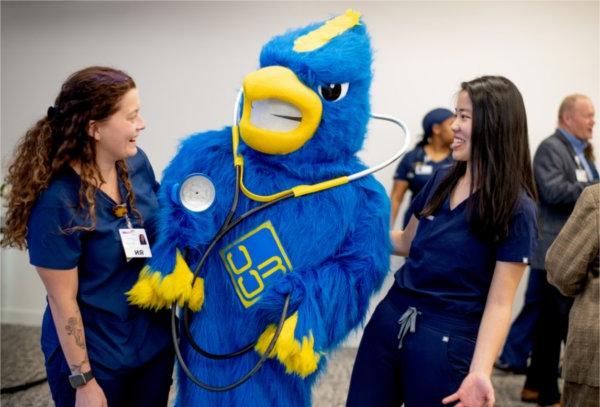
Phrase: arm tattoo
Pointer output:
(76, 368)
(75, 328)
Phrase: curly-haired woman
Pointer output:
(77, 183)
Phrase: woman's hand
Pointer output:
(90, 395)
(475, 391)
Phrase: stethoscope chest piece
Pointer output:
(196, 193)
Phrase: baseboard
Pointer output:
(21, 317)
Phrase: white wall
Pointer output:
(188, 59)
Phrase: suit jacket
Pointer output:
(554, 169)
(573, 265)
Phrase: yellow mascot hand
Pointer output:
(297, 357)
(155, 291)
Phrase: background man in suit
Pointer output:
(563, 166)
(573, 264)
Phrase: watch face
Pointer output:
(80, 379)
(77, 380)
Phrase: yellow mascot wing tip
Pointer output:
(154, 291)
(298, 358)
(197, 295)
(142, 293)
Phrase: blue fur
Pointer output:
(346, 58)
(337, 240)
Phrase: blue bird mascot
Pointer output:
(306, 239)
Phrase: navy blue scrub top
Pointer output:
(416, 168)
(118, 336)
(449, 270)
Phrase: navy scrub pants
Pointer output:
(430, 365)
(146, 386)
(550, 332)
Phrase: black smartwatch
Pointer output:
(79, 379)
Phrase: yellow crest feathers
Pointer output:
(325, 33)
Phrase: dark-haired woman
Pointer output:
(419, 164)
(79, 184)
(435, 336)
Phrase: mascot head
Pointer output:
(310, 99)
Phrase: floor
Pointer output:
(22, 361)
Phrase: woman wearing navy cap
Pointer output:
(434, 338)
(419, 164)
(79, 188)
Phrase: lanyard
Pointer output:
(120, 211)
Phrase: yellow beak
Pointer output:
(280, 113)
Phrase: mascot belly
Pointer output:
(324, 249)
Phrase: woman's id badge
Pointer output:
(581, 175)
(135, 243)
(423, 169)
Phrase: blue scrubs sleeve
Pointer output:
(421, 199)
(522, 235)
(404, 167)
(49, 245)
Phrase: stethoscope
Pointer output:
(197, 194)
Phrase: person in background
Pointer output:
(434, 338)
(76, 181)
(573, 264)
(419, 164)
(563, 166)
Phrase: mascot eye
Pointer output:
(333, 91)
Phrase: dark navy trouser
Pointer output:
(147, 385)
(431, 364)
(550, 331)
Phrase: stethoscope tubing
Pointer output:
(244, 378)
(363, 173)
(390, 160)
(229, 224)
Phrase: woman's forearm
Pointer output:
(402, 239)
(492, 333)
(496, 315)
(397, 243)
(396, 197)
(394, 212)
(71, 334)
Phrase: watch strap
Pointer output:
(79, 379)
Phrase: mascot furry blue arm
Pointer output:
(304, 117)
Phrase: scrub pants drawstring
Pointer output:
(408, 322)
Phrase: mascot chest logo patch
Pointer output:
(252, 260)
